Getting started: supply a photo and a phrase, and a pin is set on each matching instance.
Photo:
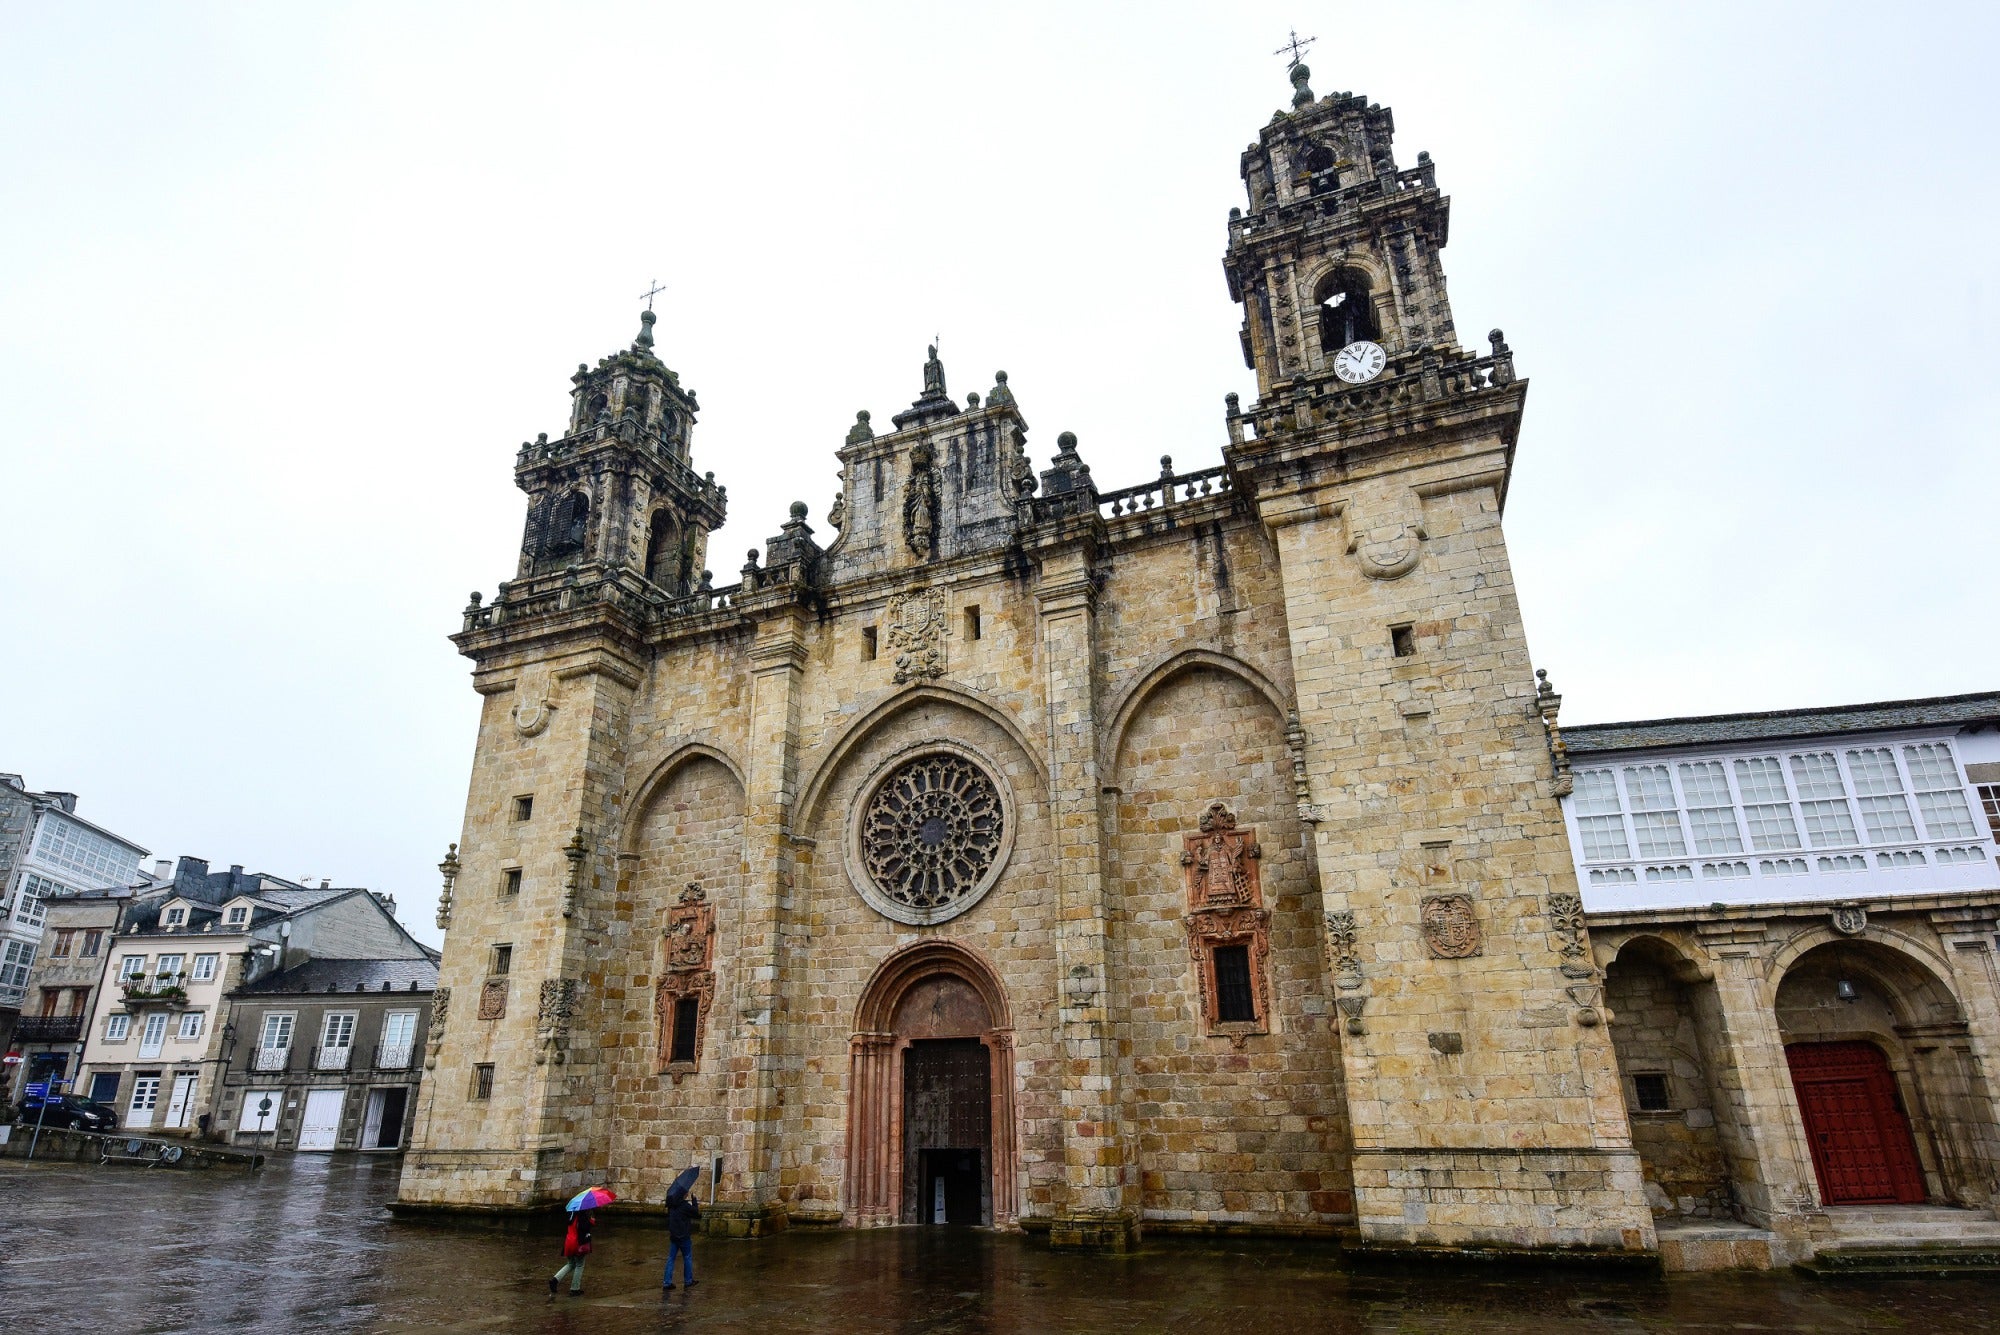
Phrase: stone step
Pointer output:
(1845, 1261)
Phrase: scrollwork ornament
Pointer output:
(1567, 922)
(1343, 949)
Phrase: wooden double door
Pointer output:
(947, 1132)
(1862, 1149)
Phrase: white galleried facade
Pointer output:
(1792, 919)
(46, 851)
(1808, 804)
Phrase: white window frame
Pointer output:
(237, 915)
(170, 966)
(206, 967)
(174, 917)
(330, 1021)
(117, 1027)
(130, 967)
(181, 1032)
(287, 1029)
(16, 962)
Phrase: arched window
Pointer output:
(663, 555)
(1346, 311)
(1322, 171)
(567, 522)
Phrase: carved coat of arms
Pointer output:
(915, 623)
(1226, 908)
(1387, 536)
(1451, 929)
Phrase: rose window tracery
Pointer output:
(932, 831)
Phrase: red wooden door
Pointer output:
(1861, 1144)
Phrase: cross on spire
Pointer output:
(653, 291)
(1296, 47)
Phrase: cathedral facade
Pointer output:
(1013, 850)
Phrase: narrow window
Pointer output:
(64, 936)
(91, 941)
(503, 959)
(510, 881)
(1233, 1003)
(687, 1012)
(1403, 639)
(972, 623)
(868, 643)
(1651, 1091)
(482, 1081)
(524, 806)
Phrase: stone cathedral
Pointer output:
(1023, 850)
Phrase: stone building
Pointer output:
(334, 1045)
(62, 987)
(46, 851)
(1795, 915)
(159, 1035)
(1180, 855)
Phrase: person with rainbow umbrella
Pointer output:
(583, 1209)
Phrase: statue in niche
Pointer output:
(920, 503)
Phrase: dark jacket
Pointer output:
(682, 1213)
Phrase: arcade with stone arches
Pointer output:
(1781, 1060)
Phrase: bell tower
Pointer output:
(617, 494)
(1339, 246)
(1482, 1094)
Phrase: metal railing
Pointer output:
(271, 1059)
(49, 1029)
(393, 1056)
(332, 1059)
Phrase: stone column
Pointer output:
(1099, 1207)
(1967, 934)
(747, 1201)
(1770, 1163)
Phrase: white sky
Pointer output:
(282, 288)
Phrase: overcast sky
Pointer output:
(283, 287)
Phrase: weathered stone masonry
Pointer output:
(1314, 646)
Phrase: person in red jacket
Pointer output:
(576, 1247)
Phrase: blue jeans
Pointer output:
(683, 1248)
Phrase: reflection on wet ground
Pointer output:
(306, 1246)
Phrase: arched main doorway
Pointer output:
(930, 1127)
(1892, 1102)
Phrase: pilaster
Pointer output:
(1100, 1207)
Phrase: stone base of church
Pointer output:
(1503, 1201)
(490, 1180)
(743, 1219)
(1109, 1231)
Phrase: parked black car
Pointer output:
(70, 1110)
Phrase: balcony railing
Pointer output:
(49, 1029)
(393, 1056)
(166, 990)
(270, 1059)
(332, 1059)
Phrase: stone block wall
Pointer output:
(1654, 1031)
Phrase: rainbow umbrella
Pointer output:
(591, 1198)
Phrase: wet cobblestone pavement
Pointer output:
(306, 1246)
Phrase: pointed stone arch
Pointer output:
(813, 792)
(966, 1001)
(657, 778)
(1165, 670)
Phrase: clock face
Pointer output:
(1358, 363)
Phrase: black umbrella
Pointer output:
(683, 1182)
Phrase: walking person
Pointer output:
(682, 1215)
(576, 1248)
(583, 1208)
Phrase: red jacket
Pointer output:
(576, 1242)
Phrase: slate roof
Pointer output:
(1785, 724)
(323, 976)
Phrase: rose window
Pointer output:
(932, 832)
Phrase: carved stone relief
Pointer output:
(687, 970)
(932, 830)
(440, 1012)
(916, 625)
(1850, 920)
(493, 999)
(552, 1019)
(1343, 949)
(1385, 534)
(1566, 920)
(534, 704)
(920, 503)
(1226, 908)
(1451, 929)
